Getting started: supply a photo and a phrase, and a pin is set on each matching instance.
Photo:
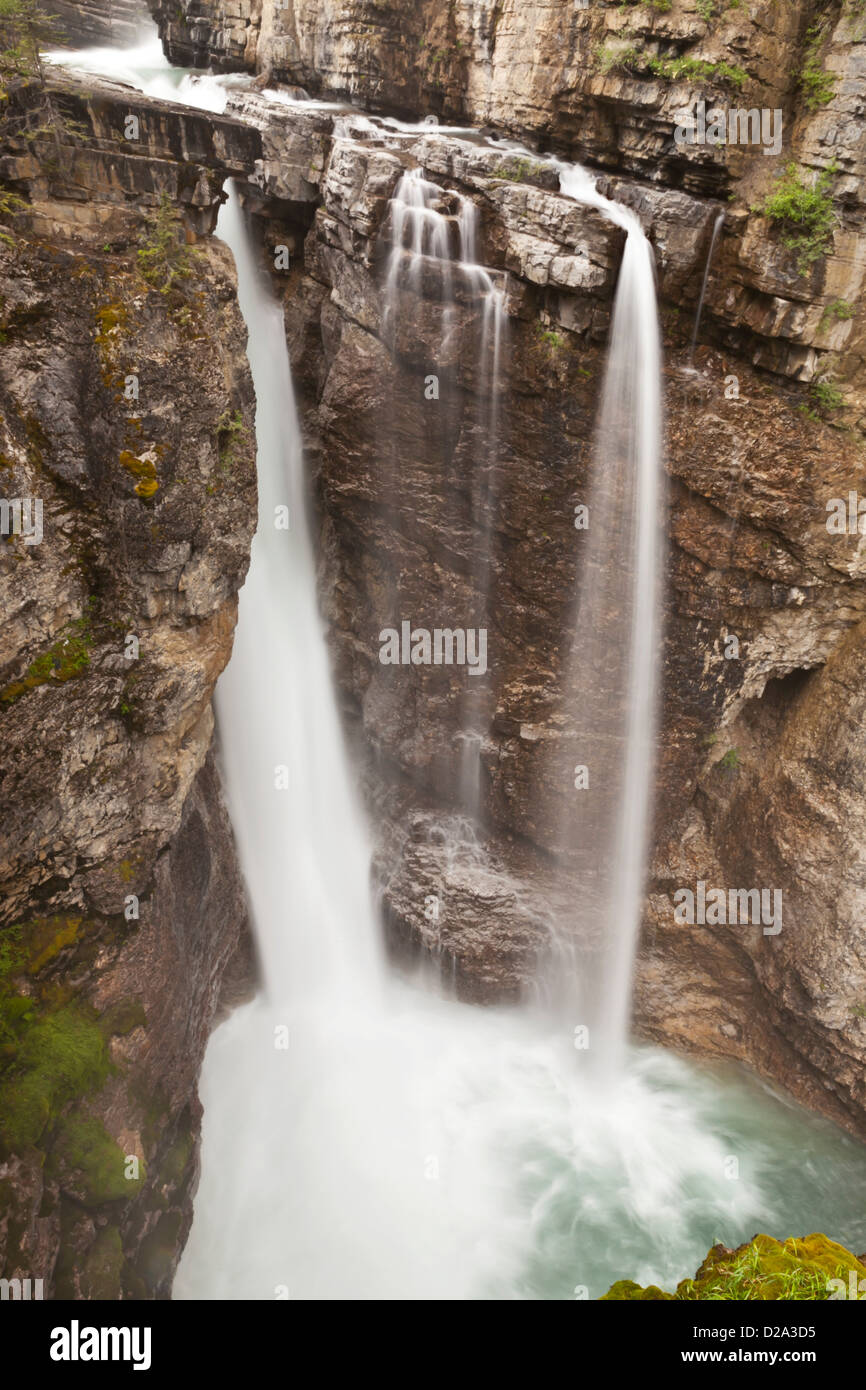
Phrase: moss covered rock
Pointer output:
(62, 1056)
(91, 1166)
(764, 1269)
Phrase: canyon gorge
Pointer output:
(449, 414)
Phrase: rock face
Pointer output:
(110, 23)
(608, 84)
(126, 414)
(754, 460)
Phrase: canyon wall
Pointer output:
(758, 783)
(149, 505)
(126, 417)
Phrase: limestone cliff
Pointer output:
(126, 416)
(754, 459)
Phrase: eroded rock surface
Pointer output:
(126, 412)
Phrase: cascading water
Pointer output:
(434, 241)
(404, 1146)
(610, 686)
(717, 227)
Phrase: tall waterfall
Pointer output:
(403, 1146)
(611, 683)
(434, 252)
(277, 712)
(338, 1133)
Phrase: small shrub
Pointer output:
(826, 395)
(164, 259)
(817, 86)
(683, 69)
(805, 214)
(837, 311)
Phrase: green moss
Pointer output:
(553, 341)
(90, 1164)
(101, 1273)
(64, 659)
(159, 1250)
(231, 437)
(111, 321)
(11, 952)
(62, 1055)
(765, 1269)
(626, 1291)
(122, 1018)
(47, 937)
(16, 1013)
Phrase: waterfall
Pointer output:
(717, 227)
(610, 684)
(340, 1134)
(404, 1146)
(434, 252)
(276, 707)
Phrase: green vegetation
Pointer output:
(10, 203)
(731, 760)
(683, 69)
(231, 435)
(805, 213)
(47, 937)
(92, 1163)
(765, 1269)
(817, 86)
(61, 1056)
(551, 339)
(25, 28)
(64, 659)
(100, 1277)
(520, 170)
(826, 395)
(661, 6)
(837, 311)
(11, 953)
(165, 260)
